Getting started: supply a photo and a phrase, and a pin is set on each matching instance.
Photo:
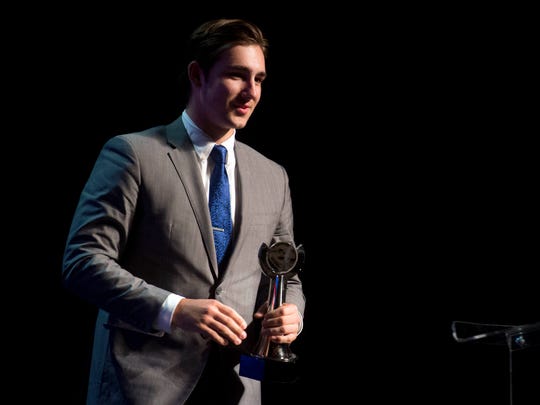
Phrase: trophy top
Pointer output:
(279, 258)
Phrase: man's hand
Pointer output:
(212, 319)
(282, 324)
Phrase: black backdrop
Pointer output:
(418, 208)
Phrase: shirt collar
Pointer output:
(203, 143)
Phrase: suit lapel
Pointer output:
(244, 182)
(185, 161)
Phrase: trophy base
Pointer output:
(267, 369)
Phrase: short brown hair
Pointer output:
(213, 37)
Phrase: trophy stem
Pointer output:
(262, 347)
(277, 292)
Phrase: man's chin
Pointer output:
(239, 121)
(239, 124)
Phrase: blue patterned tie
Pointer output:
(219, 202)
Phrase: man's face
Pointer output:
(231, 90)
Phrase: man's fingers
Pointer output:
(224, 325)
(235, 316)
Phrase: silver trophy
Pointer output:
(269, 360)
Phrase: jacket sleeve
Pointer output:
(98, 235)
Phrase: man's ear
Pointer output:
(194, 73)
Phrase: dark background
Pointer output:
(408, 137)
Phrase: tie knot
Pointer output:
(219, 153)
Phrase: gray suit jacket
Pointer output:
(142, 230)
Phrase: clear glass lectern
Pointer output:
(524, 383)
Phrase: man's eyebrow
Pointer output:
(247, 70)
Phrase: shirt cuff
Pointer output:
(164, 319)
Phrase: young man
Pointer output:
(172, 322)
